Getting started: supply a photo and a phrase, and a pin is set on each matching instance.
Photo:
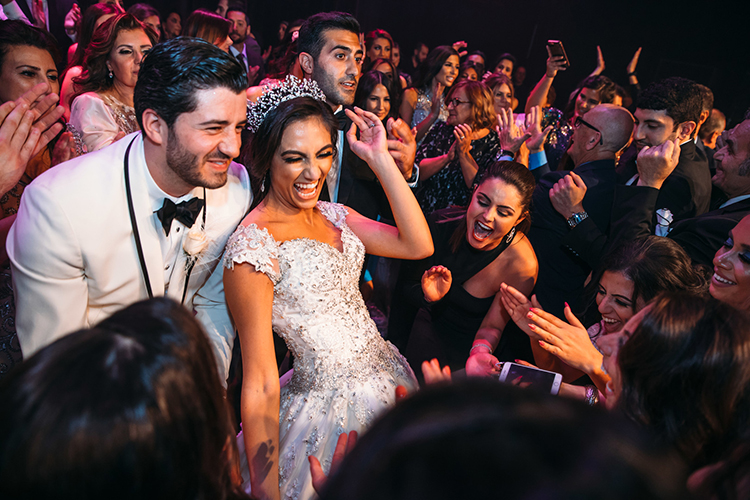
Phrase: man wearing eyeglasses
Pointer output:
(670, 110)
(597, 140)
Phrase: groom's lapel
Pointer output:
(147, 224)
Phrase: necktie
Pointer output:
(241, 59)
(185, 212)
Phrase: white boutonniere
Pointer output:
(195, 242)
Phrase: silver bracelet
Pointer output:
(489, 349)
(592, 395)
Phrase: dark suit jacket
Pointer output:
(562, 272)
(687, 191)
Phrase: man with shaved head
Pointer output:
(597, 138)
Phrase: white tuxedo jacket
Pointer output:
(74, 257)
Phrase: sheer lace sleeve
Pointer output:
(334, 212)
(255, 246)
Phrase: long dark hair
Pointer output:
(94, 77)
(267, 139)
(513, 174)
(372, 79)
(685, 373)
(606, 88)
(431, 66)
(206, 25)
(86, 29)
(132, 408)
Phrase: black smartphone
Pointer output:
(555, 48)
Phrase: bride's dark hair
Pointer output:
(267, 139)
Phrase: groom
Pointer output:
(146, 216)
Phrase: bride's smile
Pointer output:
(301, 164)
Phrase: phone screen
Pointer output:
(529, 377)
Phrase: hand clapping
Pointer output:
(436, 282)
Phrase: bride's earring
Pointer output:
(511, 234)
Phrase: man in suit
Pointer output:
(244, 47)
(148, 215)
(670, 110)
(331, 55)
(596, 140)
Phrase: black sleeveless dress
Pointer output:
(446, 329)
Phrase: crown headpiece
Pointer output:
(276, 93)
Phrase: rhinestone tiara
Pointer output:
(276, 93)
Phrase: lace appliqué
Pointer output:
(249, 244)
(124, 114)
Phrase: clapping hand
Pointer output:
(656, 163)
(567, 195)
(344, 445)
(599, 61)
(372, 141)
(437, 97)
(402, 144)
(511, 137)
(464, 135)
(436, 282)
(568, 341)
(459, 47)
(518, 306)
(27, 125)
(633, 62)
(537, 136)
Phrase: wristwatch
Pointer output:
(506, 152)
(577, 218)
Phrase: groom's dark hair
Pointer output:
(174, 70)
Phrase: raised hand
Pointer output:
(567, 195)
(464, 135)
(72, 20)
(599, 61)
(459, 47)
(437, 94)
(511, 137)
(656, 163)
(555, 64)
(402, 144)
(634, 61)
(537, 136)
(568, 341)
(344, 446)
(372, 141)
(436, 282)
(433, 374)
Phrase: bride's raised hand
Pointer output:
(372, 143)
(436, 282)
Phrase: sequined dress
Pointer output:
(345, 374)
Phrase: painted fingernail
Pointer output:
(566, 305)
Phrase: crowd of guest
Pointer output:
(599, 236)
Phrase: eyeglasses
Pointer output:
(580, 121)
(455, 102)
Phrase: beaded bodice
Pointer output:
(317, 307)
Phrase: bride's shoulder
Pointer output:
(334, 212)
(253, 244)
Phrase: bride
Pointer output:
(293, 267)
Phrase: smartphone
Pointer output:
(527, 376)
(555, 48)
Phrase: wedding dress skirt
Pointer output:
(345, 374)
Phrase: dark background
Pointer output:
(706, 41)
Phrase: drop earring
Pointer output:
(511, 234)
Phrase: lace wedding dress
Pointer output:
(345, 374)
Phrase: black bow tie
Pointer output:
(185, 212)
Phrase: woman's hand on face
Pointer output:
(517, 306)
(372, 141)
(568, 341)
(436, 282)
(433, 374)
(464, 135)
(511, 137)
(482, 364)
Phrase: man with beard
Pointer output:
(330, 54)
(670, 110)
(244, 47)
(148, 215)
